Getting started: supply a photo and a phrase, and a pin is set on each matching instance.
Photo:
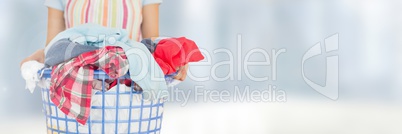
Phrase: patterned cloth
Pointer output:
(122, 14)
(72, 81)
(146, 73)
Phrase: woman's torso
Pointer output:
(125, 14)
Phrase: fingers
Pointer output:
(184, 72)
(23, 61)
(181, 75)
(38, 55)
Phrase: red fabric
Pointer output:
(172, 53)
(71, 81)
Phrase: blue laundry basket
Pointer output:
(137, 116)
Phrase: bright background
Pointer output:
(370, 45)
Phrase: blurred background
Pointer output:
(370, 42)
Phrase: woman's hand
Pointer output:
(55, 24)
(181, 75)
(39, 56)
(150, 29)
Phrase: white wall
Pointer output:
(369, 60)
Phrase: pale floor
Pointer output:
(262, 118)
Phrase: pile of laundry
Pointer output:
(76, 53)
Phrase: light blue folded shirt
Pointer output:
(144, 70)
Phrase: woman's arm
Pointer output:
(150, 21)
(55, 25)
(150, 29)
